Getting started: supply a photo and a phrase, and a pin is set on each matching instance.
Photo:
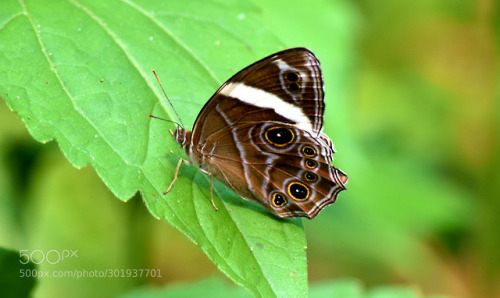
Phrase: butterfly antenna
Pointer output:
(151, 116)
(181, 124)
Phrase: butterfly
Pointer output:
(261, 135)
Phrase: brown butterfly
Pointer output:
(260, 135)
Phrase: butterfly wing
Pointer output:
(260, 134)
(284, 168)
(286, 87)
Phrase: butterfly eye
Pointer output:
(310, 177)
(311, 164)
(308, 151)
(278, 199)
(280, 136)
(298, 191)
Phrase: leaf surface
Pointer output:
(79, 73)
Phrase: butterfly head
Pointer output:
(181, 135)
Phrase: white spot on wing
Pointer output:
(263, 99)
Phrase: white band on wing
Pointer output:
(263, 99)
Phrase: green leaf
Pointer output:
(17, 274)
(393, 292)
(339, 288)
(210, 287)
(354, 289)
(79, 73)
(217, 287)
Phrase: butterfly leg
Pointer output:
(211, 188)
(181, 160)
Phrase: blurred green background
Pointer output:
(416, 127)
